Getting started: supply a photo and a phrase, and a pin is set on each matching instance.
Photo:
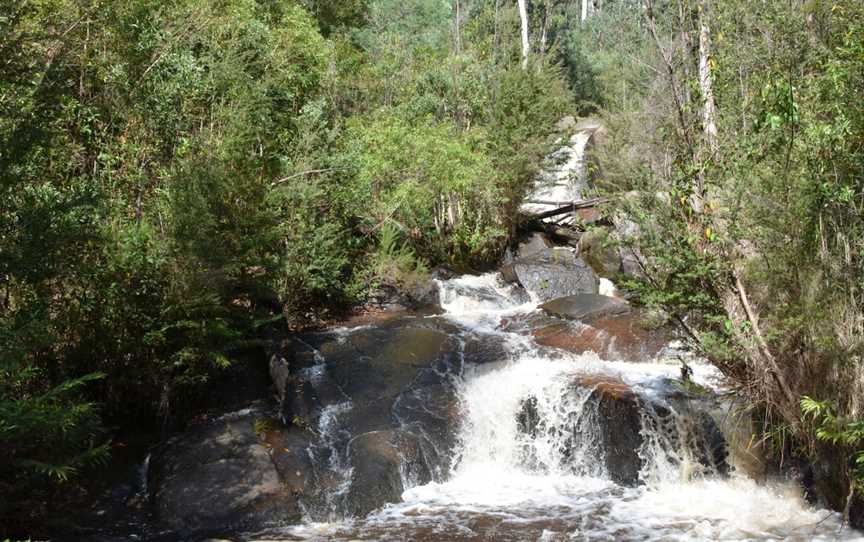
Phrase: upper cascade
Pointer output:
(565, 179)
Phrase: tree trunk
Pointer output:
(584, 12)
(544, 35)
(686, 48)
(706, 84)
(458, 36)
(526, 47)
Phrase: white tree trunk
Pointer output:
(584, 11)
(544, 34)
(458, 27)
(526, 47)
(706, 84)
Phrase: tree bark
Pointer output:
(526, 46)
(458, 36)
(706, 82)
(670, 72)
(584, 16)
(547, 13)
(569, 208)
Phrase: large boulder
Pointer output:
(218, 479)
(532, 244)
(608, 432)
(601, 438)
(555, 272)
(482, 348)
(382, 409)
(418, 294)
(620, 434)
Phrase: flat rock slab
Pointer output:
(626, 336)
(585, 307)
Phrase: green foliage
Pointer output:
(754, 244)
(394, 262)
(263, 426)
(174, 175)
(428, 179)
(46, 437)
(848, 434)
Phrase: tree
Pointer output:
(526, 45)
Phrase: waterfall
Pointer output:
(558, 446)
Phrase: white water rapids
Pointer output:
(507, 485)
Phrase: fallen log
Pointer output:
(566, 208)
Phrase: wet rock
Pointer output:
(378, 460)
(482, 348)
(420, 294)
(823, 481)
(373, 367)
(289, 450)
(711, 444)
(508, 273)
(384, 406)
(429, 411)
(528, 418)
(829, 477)
(555, 272)
(613, 424)
(620, 419)
(607, 430)
(856, 512)
(585, 307)
(626, 337)
(217, 478)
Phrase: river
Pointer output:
(549, 481)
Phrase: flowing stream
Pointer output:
(532, 459)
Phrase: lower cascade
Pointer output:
(492, 436)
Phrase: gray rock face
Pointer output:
(378, 460)
(421, 295)
(585, 307)
(554, 273)
(383, 408)
(218, 478)
(532, 244)
(565, 124)
(294, 398)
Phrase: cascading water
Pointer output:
(542, 452)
